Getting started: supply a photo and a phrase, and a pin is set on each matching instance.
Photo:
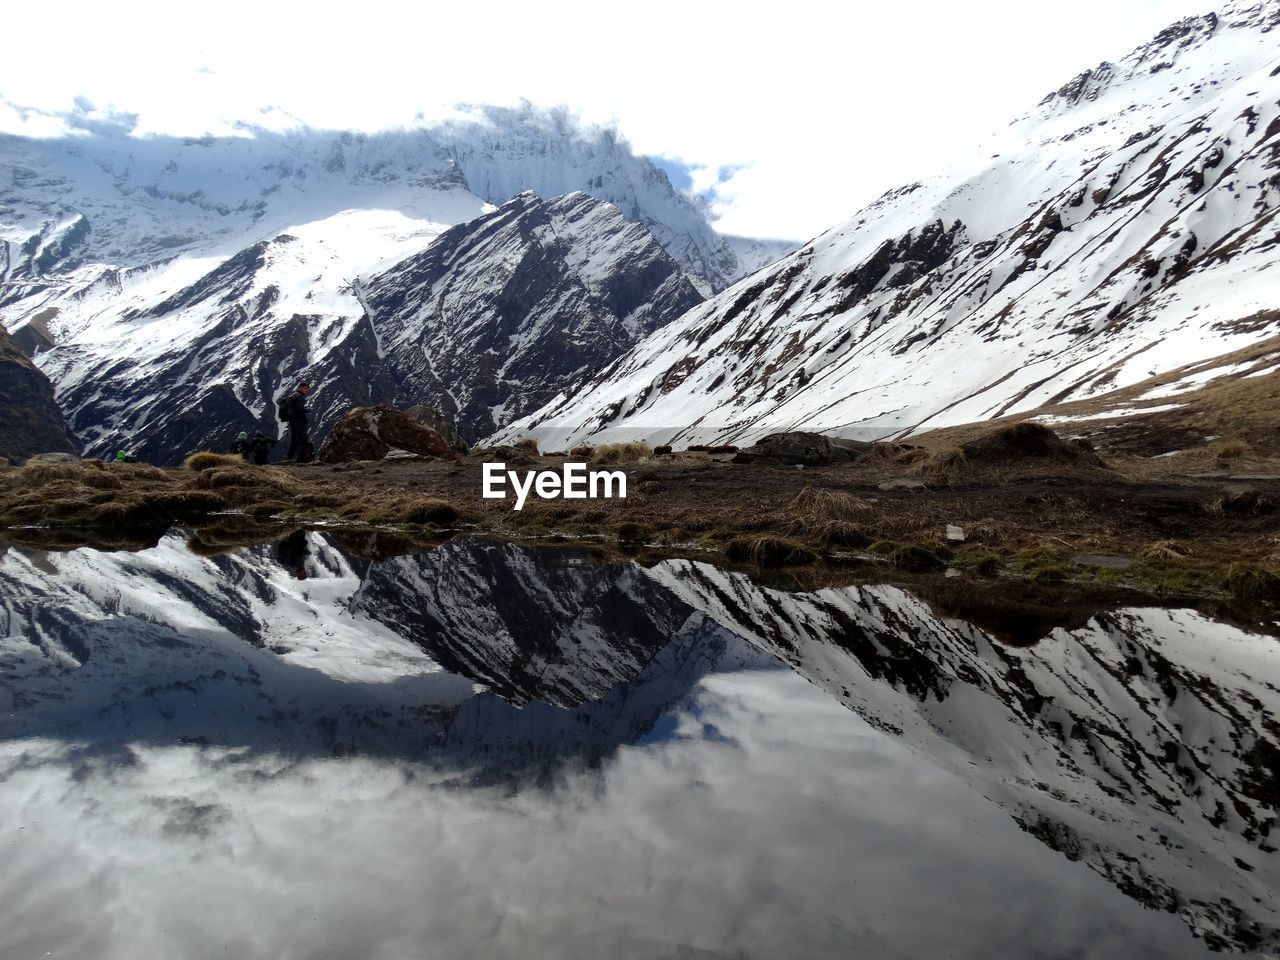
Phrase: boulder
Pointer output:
(30, 421)
(437, 421)
(802, 448)
(370, 433)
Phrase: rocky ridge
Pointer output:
(1123, 228)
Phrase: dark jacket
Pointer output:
(293, 408)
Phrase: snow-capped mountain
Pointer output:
(501, 313)
(504, 151)
(1125, 226)
(30, 421)
(1142, 744)
(172, 288)
(301, 649)
(544, 625)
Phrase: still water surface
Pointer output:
(487, 750)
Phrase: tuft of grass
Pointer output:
(910, 556)
(1225, 450)
(627, 452)
(1169, 578)
(768, 552)
(1252, 583)
(1163, 550)
(947, 464)
(527, 445)
(240, 474)
(816, 502)
(430, 510)
(631, 533)
(206, 459)
(906, 456)
(834, 534)
(978, 560)
(1045, 566)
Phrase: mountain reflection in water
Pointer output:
(490, 750)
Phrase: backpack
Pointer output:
(284, 408)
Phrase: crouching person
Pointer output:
(260, 447)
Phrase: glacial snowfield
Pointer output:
(1124, 227)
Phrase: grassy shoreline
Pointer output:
(1024, 520)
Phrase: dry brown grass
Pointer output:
(627, 452)
(406, 508)
(768, 551)
(206, 459)
(949, 463)
(826, 504)
(527, 446)
(1226, 450)
(1163, 550)
(241, 474)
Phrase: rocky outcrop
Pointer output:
(501, 314)
(30, 421)
(370, 433)
(437, 421)
(799, 447)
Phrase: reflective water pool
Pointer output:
(488, 750)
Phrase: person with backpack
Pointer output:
(260, 447)
(292, 410)
(241, 446)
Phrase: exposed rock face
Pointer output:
(437, 421)
(1122, 229)
(370, 433)
(173, 287)
(30, 421)
(1084, 737)
(501, 314)
(194, 363)
(527, 624)
(798, 447)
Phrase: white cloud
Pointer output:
(821, 108)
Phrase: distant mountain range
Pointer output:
(172, 288)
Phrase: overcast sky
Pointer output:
(801, 112)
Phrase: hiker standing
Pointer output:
(241, 446)
(293, 411)
(259, 446)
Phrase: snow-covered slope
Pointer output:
(1143, 744)
(1127, 225)
(502, 313)
(299, 649)
(171, 288)
(503, 151)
